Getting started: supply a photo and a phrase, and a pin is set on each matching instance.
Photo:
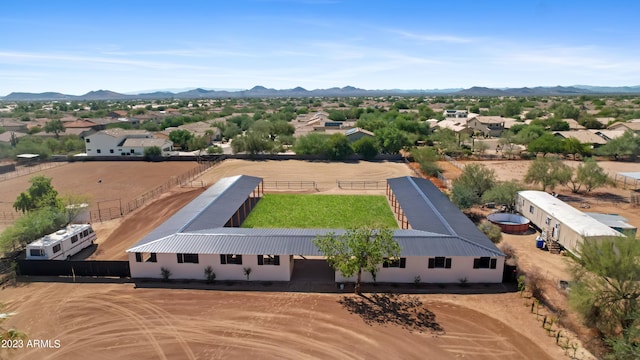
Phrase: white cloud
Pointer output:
(432, 37)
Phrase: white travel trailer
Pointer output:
(62, 244)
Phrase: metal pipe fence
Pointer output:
(290, 185)
(362, 184)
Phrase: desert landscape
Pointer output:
(116, 318)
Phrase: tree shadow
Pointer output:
(402, 310)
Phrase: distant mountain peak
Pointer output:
(261, 91)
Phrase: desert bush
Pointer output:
(492, 231)
(209, 275)
(166, 274)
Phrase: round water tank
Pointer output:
(510, 223)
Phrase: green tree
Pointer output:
(40, 194)
(548, 172)
(625, 346)
(338, 147)
(427, 157)
(503, 193)
(591, 175)
(565, 111)
(55, 127)
(311, 144)
(606, 289)
(391, 140)
(152, 151)
(463, 196)
(545, 144)
(529, 133)
(367, 147)
(357, 250)
(575, 147)
(626, 145)
(476, 177)
(181, 138)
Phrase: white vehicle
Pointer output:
(62, 244)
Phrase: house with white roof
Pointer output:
(438, 242)
(121, 142)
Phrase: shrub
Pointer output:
(533, 281)
(508, 250)
(247, 272)
(492, 231)
(166, 274)
(209, 275)
(152, 152)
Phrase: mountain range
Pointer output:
(261, 91)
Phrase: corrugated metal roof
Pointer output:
(439, 228)
(573, 218)
(300, 242)
(209, 210)
(612, 220)
(428, 209)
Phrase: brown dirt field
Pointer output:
(516, 169)
(117, 321)
(120, 180)
(325, 174)
(114, 237)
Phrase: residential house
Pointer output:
(487, 125)
(608, 135)
(584, 136)
(455, 125)
(10, 124)
(120, 142)
(356, 134)
(456, 114)
(629, 125)
(573, 125)
(5, 137)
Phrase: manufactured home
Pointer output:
(559, 221)
(62, 244)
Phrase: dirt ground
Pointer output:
(120, 180)
(118, 321)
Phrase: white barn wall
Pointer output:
(280, 272)
(461, 267)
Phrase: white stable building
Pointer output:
(560, 221)
(441, 246)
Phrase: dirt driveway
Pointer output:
(117, 321)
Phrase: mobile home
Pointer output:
(559, 221)
(62, 244)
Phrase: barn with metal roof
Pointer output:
(438, 242)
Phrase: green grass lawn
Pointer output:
(321, 211)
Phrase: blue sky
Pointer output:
(125, 46)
